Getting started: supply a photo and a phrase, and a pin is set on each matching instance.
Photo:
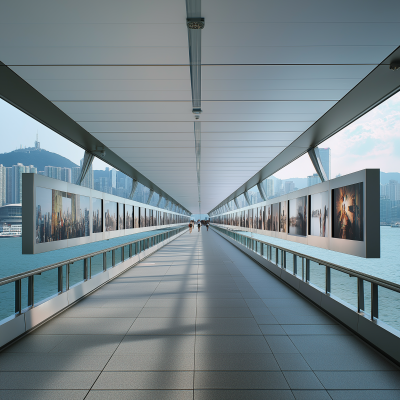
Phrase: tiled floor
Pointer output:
(197, 320)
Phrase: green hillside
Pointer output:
(37, 158)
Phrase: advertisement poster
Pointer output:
(275, 217)
(283, 216)
(97, 211)
(110, 216)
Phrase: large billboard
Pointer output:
(319, 214)
(298, 216)
(348, 220)
(61, 215)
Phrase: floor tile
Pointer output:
(281, 344)
(239, 380)
(223, 394)
(302, 380)
(235, 362)
(163, 326)
(231, 344)
(227, 326)
(140, 395)
(144, 380)
(43, 394)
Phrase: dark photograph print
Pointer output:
(298, 216)
(260, 218)
(268, 218)
(319, 218)
(97, 212)
(128, 217)
(61, 215)
(275, 217)
(348, 212)
(282, 216)
(110, 215)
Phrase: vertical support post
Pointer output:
(327, 280)
(374, 301)
(307, 270)
(130, 251)
(104, 261)
(360, 295)
(302, 268)
(261, 249)
(122, 253)
(276, 256)
(60, 279)
(113, 257)
(283, 259)
(294, 264)
(85, 269)
(67, 278)
(31, 290)
(18, 300)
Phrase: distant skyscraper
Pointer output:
(17, 171)
(289, 186)
(325, 155)
(66, 175)
(53, 172)
(75, 174)
(269, 187)
(9, 187)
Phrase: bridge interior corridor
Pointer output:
(196, 320)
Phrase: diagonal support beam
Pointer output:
(316, 161)
(150, 196)
(134, 187)
(261, 190)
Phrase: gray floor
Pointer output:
(197, 320)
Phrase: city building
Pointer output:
(325, 156)
(313, 180)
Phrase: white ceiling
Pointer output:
(270, 70)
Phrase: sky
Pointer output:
(373, 141)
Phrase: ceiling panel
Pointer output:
(270, 71)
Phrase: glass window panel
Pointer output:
(128, 216)
(300, 262)
(76, 273)
(317, 275)
(289, 262)
(389, 307)
(154, 199)
(254, 195)
(242, 201)
(108, 259)
(7, 300)
(344, 287)
(97, 212)
(45, 285)
(97, 264)
(118, 255)
(273, 255)
(121, 215)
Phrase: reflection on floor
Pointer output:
(196, 320)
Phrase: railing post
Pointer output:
(283, 259)
(85, 269)
(122, 253)
(294, 264)
(18, 300)
(130, 250)
(31, 289)
(374, 301)
(276, 256)
(60, 279)
(307, 270)
(360, 295)
(104, 261)
(327, 279)
(67, 278)
(261, 249)
(113, 257)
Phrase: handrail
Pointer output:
(372, 279)
(36, 271)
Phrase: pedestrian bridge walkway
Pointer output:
(196, 320)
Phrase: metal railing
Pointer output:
(61, 276)
(379, 300)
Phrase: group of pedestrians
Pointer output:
(199, 223)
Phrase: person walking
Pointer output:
(198, 225)
(190, 227)
(207, 224)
